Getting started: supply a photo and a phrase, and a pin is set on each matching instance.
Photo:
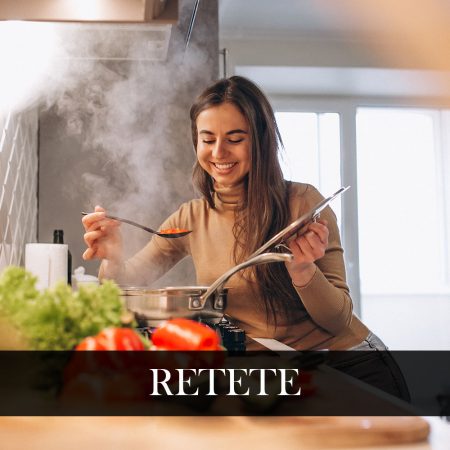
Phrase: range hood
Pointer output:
(99, 29)
(113, 42)
(137, 11)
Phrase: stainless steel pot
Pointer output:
(153, 306)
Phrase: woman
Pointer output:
(245, 201)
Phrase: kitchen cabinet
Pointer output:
(137, 11)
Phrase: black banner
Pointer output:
(147, 383)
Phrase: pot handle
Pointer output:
(260, 259)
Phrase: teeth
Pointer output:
(224, 166)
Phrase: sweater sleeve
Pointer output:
(155, 259)
(326, 297)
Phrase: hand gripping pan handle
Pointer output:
(297, 227)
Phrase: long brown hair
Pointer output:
(265, 207)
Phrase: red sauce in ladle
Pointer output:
(173, 230)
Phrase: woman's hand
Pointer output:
(102, 237)
(306, 249)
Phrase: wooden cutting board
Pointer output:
(347, 432)
(212, 433)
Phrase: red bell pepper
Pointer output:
(113, 339)
(185, 334)
(120, 339)
(89, 343)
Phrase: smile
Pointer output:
(224, 166)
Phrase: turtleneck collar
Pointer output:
(228, 197)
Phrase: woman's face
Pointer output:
(223, 143)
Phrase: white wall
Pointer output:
(18, 185)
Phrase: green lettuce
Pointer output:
(57, 318)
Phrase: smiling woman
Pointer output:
(305, 303)
(223, 148)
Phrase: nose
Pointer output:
(219, 150)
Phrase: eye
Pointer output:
(235, 141)
(208, 142)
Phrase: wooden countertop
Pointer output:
(89, 433)
(216, 433)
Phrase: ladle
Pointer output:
(150, 230)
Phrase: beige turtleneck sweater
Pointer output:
(323, 318)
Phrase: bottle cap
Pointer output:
(81, 277)
(58, 234)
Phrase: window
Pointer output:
(401, 205)
(403, 225)
(396, 228)
(311, 150)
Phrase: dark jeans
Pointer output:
(373, 363)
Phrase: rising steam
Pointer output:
(120, 122)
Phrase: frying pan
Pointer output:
(151, 307)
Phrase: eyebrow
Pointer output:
(236, 131)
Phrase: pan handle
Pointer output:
(260, 259)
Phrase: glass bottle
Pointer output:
(58, 238)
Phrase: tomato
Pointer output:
(89, 343)
(113, 339)
(185, 334)
(120, 339)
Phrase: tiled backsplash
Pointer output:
(18, 185)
